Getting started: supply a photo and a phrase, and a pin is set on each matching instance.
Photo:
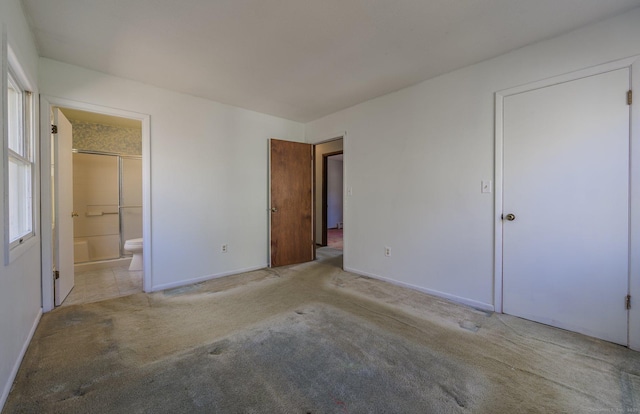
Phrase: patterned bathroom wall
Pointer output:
(89, 136)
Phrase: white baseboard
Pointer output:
(205, 278)
(16, 366)
(458, 299)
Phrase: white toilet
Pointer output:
(134, 246)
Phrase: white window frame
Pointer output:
(12, 72)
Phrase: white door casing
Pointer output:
(46, 151)
(566, 180)
(63, 190)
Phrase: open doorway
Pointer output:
(293, 214)
(107, 198)
(106, 195)
(329, 194)
(107, 205)
(332, 216)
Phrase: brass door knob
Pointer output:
(274, 210)
(510, 217)
(74, 214)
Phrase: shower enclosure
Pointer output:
(107, 202)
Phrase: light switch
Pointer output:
(486, 186)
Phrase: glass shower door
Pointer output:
(95, 201)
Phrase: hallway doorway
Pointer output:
(329, 183)
(333, 166)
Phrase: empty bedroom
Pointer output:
(340, 207)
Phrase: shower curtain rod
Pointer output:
(114, 154)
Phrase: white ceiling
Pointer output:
(298, 59)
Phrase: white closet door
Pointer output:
(566, 181)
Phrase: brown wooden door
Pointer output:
(291, 203)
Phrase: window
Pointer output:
(20, 162)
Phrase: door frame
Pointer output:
(325, 191)
(46, 103)
(634, 190)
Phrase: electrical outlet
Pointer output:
(225, 248)
(387, 251)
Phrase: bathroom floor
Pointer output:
(97, 285)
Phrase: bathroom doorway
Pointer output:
(48, 191)
(107, 205)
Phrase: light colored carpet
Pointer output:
(311, 338)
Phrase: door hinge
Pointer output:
(54, 129)
(627, 302)
(56, 274)
(629, 97)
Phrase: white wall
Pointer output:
(415, 159)
(208, 172)
(20, 304)
(334, 192)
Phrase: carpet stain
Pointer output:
(312, 338)
(630, 385)
(219, 347)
